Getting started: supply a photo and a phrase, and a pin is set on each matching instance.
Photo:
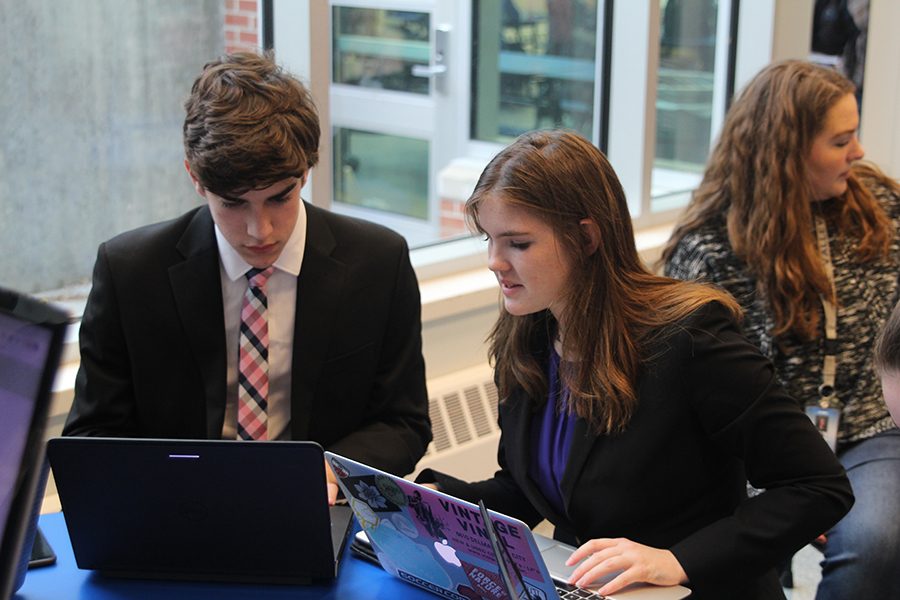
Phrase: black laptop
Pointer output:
(214, 510)
(31, 339)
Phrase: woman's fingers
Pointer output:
(629, 561)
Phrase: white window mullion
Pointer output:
(720, 77)
(632, 102)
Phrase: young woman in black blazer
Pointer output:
(633, 410)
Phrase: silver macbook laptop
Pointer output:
(199, 509)
(440, 543)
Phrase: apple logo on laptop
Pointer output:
(447, 552)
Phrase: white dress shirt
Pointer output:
(281, 292)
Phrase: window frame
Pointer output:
(629, 38)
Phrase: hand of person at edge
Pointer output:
(331, 484)
(637, 563)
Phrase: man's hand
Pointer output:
(331, 484)
(637, 563)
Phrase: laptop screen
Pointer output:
(509, 571)
(31, 335)
(23, 353)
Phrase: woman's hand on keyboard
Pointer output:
(637, 563)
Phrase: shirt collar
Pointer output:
(290, 260)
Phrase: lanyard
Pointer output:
(827, 397)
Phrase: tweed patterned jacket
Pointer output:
(866, 293)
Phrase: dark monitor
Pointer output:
(31, 340)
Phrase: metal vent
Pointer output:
(455, 423)
(463, 415)
(493, 400)
(458, 423)
(440, 438)
(483, 423)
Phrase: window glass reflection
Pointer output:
(377, 48)
(533, 67)
(383, 172)
(684, 97)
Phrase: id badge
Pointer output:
(826, 421)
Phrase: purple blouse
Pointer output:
(551, 437)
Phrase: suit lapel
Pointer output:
(197, 290)
(517, 424)
(319, 289)
(582, 445)
(517, 421)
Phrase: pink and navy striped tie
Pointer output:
(253, 359)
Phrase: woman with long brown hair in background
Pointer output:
(804, 236)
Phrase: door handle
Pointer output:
(439, 58)
(428, 71)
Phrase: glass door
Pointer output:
(423, 92)
(390, 80)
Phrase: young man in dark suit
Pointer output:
(182, 339)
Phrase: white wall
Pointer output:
(780, 29)
(880, 127)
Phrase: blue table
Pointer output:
(357, 580)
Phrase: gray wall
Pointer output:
(90, 128)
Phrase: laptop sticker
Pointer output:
(434, 542)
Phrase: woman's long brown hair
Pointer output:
(614, 306)
(756, 180)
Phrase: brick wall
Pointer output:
(241, 25)
(453, 220)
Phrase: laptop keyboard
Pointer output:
(570, 592)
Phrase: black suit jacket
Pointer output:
(709, 411)
(152, 340)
